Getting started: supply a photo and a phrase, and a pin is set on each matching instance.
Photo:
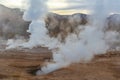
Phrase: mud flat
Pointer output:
(21, 65)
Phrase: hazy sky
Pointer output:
(58, 6)
(12, 3)
(65, 6)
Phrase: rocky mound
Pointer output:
(61, 26)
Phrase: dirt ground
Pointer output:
(21, 65)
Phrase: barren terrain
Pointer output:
(22, 64)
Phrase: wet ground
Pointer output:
(21, 65)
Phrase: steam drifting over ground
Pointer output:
(80, 43)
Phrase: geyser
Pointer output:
(81, 42)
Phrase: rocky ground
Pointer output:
(21, 64)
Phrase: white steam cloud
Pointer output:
(36, 10)
(90, 41)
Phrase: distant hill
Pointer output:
(62, 25)
(11, 23)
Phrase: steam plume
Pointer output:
(89, 41)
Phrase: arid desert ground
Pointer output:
(21, 64)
